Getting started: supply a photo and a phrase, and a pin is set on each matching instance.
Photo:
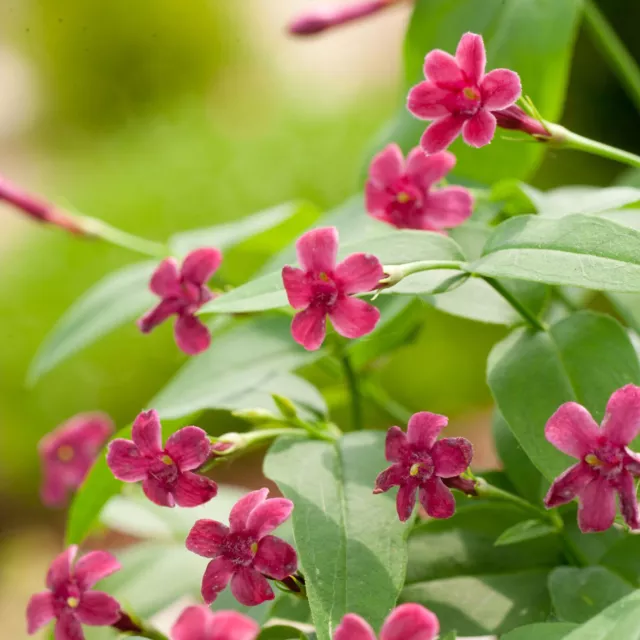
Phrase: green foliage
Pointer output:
(525, 530)
(620, 620)
(540, 631)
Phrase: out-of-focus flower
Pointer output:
(200, 623)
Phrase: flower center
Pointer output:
(607, 459)
(325, 290)
(592, 460)
(471, 93)
(65, 453)
(167, 460)
(254, 548)
(415, 469)
(403, 197)
(73, 602)
(239, 549)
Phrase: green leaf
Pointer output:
(532, 374)
(541, 631)
(350, 543)
(115, 300)
(620, 620)
(579, 594)
(526, 530)
(624, 558)
(581, 251)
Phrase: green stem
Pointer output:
(395, 273)
(613, 49)
(516, 304)
(353, 384)
(374, 392)
(104, 231)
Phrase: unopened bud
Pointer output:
(516, 119)
(285, 406)
(255, 416)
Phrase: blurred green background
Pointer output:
(160, 116)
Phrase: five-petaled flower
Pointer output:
(200, 623)
(406, 622)
(70, 598)
(183, 292)
(403, 196)
(166, 473)
(460, 97)
(606, 466)
(323, 288)
(68, 452)
(420, 462)
(244, 552)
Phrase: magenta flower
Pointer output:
(606, 466)
(402, 195)
(166, 474)
(459, 97)
(406, 622)
(323, 288)
(183, 293)
(68, 452)
(70, 598)
(200, 623)
(420, 462)
(244, 553)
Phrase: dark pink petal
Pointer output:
(423, 429)
(93, 567)
(353, 318)
(568, 485)
(308, 327)
(126, 462)
(442, 69)
(239, 516)
(572, 430)
(216, 578)
(410, 622)
(88, 429)
(59, 574)
(500, 88)
(376, 200)
(53, 491)
(205, 538)
(426, 170)
(425, 101)
(359, 272)
(192, 490)
(268, 516)
(386, 166)
(147, 433)
(395, 444)
(628, 500)
(632, 462)
(451, 456)
(621, 422)
(406, 499)
(231, 625)
(354, 627)
(275, 558)
(250, 588)
(200, 265)
(194, 623)
(479, 130)
(159, 314)
(297, 287)
(97, 609)
(472, 57)
(437, 499)
(157, 492)
(394, 476)
(597, 509)
(448, 207)
(317, 249)
(165, 281)
(441, 133)
(40, 611)
(192, 335)
(68, 627)
(188, 447)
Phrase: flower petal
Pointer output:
(165, 281)
(437, 499)
(126, 462)
(275, 558)
(442, 69)
(479, 130)
(426, 170)
(205, 538)
(157, 492)
(572, 430)
(354, 318)
(308, 327)
(200, 265)
(569, 484)
(53, 491)
(216, 578)
(393, 476)
(317, 249)
(159, 314)
(597, 509)
(632, 462)
(268, 516)
(98, 609)
(406, 499)
(191, 334)
(250, 588)
(386, 166)
(59, 574)
(192, 490)
(441, 133)
(621, 422)
(354, 627)
(500, 88)
(447, 208)
(241, 510)
(359, 272)
(423, 429)
(188, 447)
(297, 287)
(451, 456)
(88, 429)
(628, 500)
(376, 200)
(194, 623)
(93, 567)
(231, 625)
(147, 433)
(410, 622)
(471, 56)
(68, 627)
(426, 101)
(40, 611)
(395, 445)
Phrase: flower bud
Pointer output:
(256, 417)
(515, 118)
(285, 406)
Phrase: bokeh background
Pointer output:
(160, 116)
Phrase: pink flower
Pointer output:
(166, 474)
(323, 288)
(244, 553)
(70, 599)
(459, 97)
(406, 622)
(200, 623)
(402, 195)
(183, 293)
(420, 462)
(68, 452)
(606, 466)
(516, 119)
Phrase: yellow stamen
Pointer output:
(167, 460)
(593, 460)
(65, 453)
(73, 602)
(403, 197)
(470, 93)
(415, 469)
(254, 547)
(324, 276)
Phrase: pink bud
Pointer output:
(515, 118)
